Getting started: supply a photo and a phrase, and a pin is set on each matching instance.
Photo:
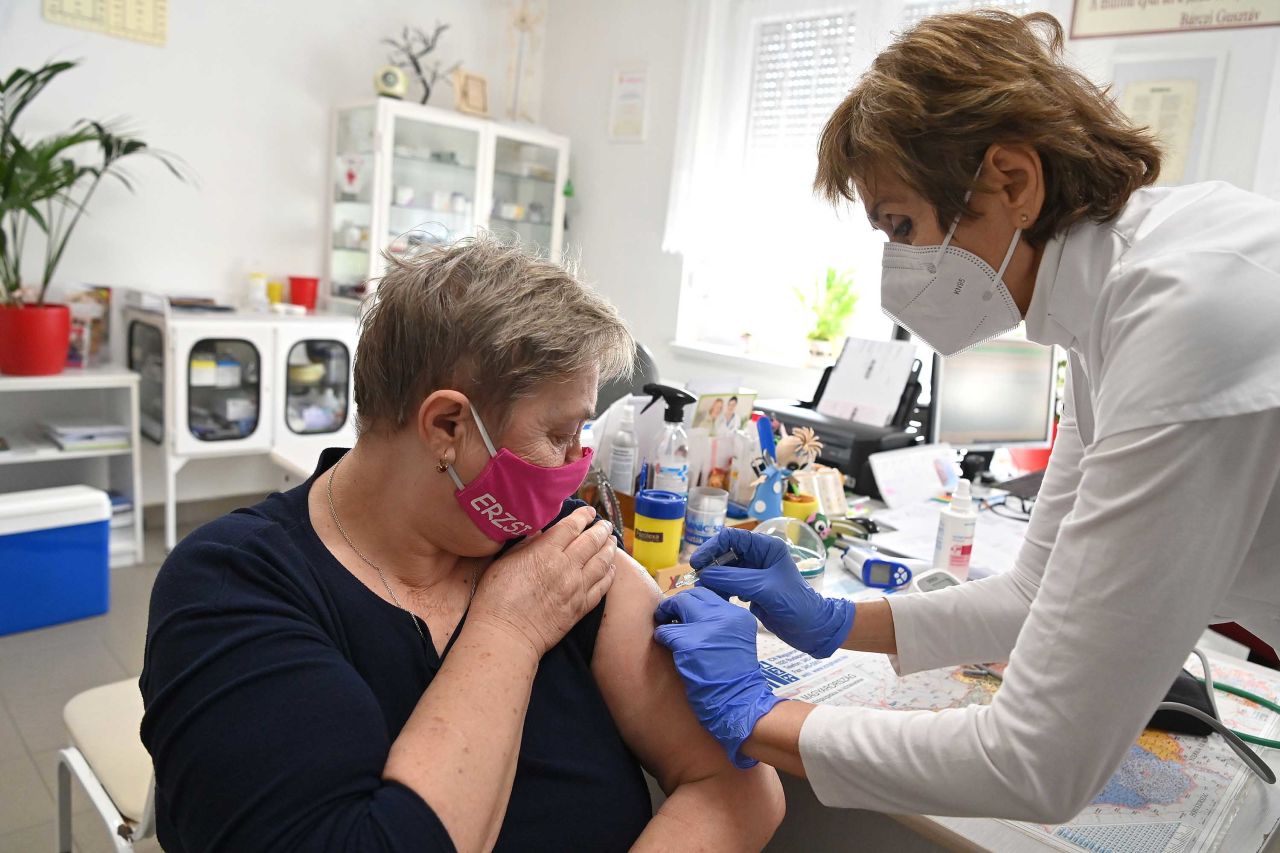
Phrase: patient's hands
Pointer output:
(543, 587)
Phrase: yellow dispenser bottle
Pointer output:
(659, 524)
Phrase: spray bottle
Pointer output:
(671, 458)
(622, 454)
(956, 527)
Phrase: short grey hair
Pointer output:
(482, 317)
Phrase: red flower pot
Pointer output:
(34, 339)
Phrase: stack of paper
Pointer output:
(867, 382)
(87, 433)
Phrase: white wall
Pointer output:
(243, 92)
(622, 188)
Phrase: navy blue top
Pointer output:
(275, 683)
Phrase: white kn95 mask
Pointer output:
(947, 297)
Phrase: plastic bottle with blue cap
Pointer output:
(659, 524)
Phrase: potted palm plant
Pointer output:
(45, 188)
(831, 302)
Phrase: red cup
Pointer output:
(302, 291)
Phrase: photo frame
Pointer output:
(470, 93)
(1177, 96)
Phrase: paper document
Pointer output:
(914, 474)
(1167, 107)
(867, 382)
(996, 541)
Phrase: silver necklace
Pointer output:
(333, 514)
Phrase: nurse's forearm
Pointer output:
(776, 738)
(872, 629)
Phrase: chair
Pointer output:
(107, 756)
(644, 370)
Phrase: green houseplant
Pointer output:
(831, 302)
(43, 186)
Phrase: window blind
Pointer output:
(801, 68)
(914, 11)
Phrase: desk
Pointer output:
(1251, 809)
(1258, 804)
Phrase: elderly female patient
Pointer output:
(376, 660)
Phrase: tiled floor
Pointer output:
(41, 670)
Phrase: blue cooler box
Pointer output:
(53, 556)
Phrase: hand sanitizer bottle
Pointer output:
(671, 459)
(956, 526)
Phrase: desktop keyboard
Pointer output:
(1026, 487)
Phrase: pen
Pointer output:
(980, 669)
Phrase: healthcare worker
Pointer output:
(1012, 189)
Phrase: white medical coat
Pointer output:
(1159, 514)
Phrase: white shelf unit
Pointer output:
(108, 392)
(406, 175)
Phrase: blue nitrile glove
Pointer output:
(714, 643)
(780, 598)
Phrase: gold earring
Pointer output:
(443, 465)
(1024, 217)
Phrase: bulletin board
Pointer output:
(145, 21)
(1177, 97)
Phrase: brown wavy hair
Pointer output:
(933, 102)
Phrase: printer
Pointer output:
(846, 445)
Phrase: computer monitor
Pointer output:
(997, 394)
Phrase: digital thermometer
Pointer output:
(875, 571)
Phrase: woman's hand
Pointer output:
(543, 587)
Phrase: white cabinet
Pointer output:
(226, 384)
(406, 175)
(222, 396)
(313, 364)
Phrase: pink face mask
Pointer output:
(511, 497)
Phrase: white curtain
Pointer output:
(699, 174)
(741, 212)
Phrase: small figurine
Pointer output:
(822, 526)
(766, 503)
(799, 450)
(796, 452)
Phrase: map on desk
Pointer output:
(1172, 793)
